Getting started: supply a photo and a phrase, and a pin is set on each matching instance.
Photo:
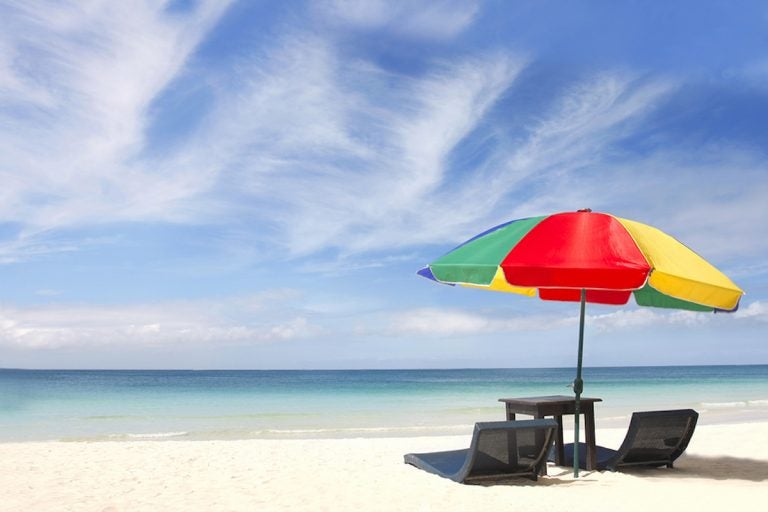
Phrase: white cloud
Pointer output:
(285, 315)
(641, 317)
(756, 310)
(454, 322)
(574, 133)
(633, 318)
(321, 150)
(78, 82)
(690, 196)
(47, 292)
(588, 117)
(430, 19)
(307, 149)
(229, 321)
(439, 322)
(343, 154)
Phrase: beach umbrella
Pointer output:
(587, 257)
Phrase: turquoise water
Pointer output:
(124, 405)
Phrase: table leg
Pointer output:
(539, 441)
(589, 434)
(559, 446)
(510, 414)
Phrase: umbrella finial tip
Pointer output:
(585, 210)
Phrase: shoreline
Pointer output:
(722, 463)
(706, 418)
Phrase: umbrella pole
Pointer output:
(578, 385)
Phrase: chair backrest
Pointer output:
(509, 448)
(655, 438)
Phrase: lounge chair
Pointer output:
(653, 439)
(499, 450)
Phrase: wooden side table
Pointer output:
(557, 406)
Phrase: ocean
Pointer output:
(76, 405)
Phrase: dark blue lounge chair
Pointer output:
(499, 450)
(654, 439)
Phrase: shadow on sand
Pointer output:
(693, 466)
(721, 468)
(696, 466)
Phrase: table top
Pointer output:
(550, 400)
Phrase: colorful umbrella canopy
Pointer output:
(585, 257)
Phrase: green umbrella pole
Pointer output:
(578, 385)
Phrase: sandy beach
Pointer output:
(724, 464)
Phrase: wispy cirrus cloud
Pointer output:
(576, 131)
(367, 147)
(688, 195)
(322, 151)
(78, 79)
(541, 172)
(375, 163)
(415, 18)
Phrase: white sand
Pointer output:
(725, 468)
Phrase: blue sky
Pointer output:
(252, 184)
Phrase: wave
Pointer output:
(288, 433)
(724, 405)
(147, 436)
(365, 430)
(734, 404)
(622, 417)
(151, 435)
(114, 417)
